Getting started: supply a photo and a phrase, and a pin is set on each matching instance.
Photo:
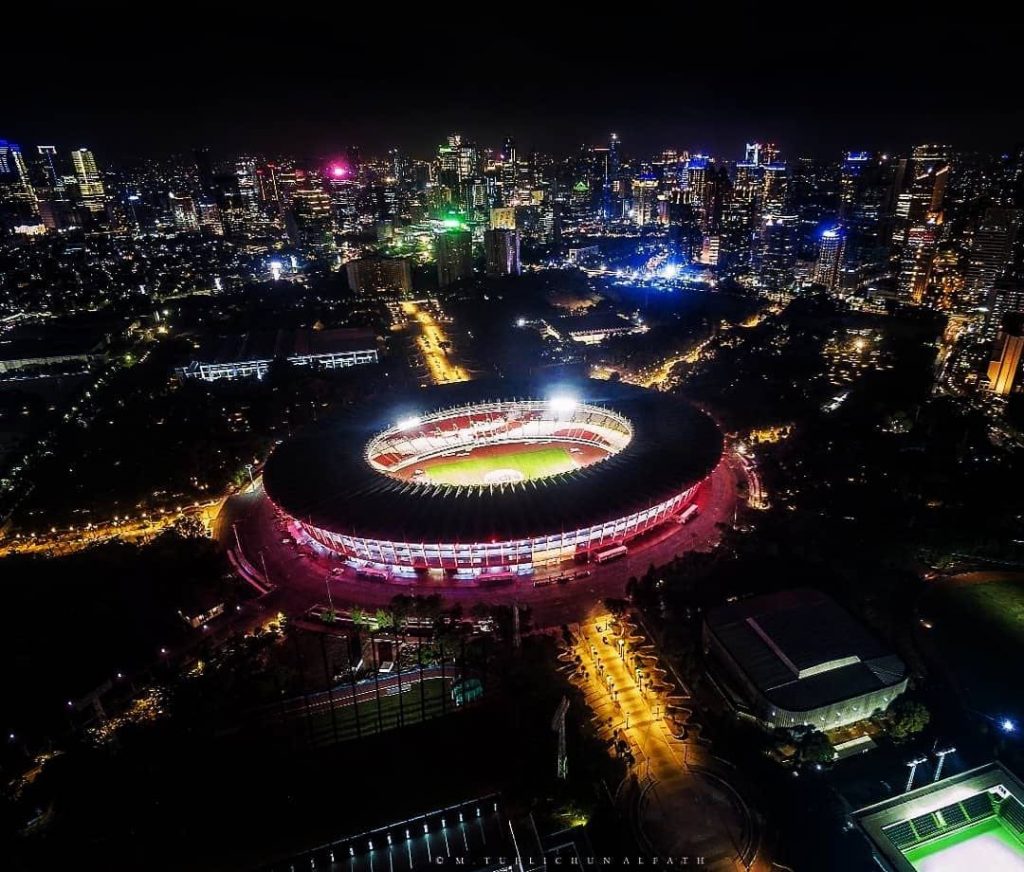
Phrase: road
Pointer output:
(433, 344)
(683, 803)
(302, 577)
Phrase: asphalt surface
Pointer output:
(302, 577)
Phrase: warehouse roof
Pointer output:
(802, 650)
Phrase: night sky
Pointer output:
(814, 80)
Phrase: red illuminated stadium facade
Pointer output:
(499, 478)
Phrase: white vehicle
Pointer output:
(689, 514)
(612, 553)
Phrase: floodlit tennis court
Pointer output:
(987, 846)
(522, 465)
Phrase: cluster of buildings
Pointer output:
(930, 228)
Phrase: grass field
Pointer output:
(979, 633)
(987, 846)
(536, 462)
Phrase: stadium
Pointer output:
(974, 820)
(495, 478)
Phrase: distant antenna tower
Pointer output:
(558, 725)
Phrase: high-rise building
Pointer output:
(309, 218)
(1004, 369)
(16, 190)
(501, 249)
(204, 171)
(927, 188)
(184, 212)
(369, 274)
(830, 258)
(503, 218)
(91, 190)
(454, 253)
(776, 252)
(645, 193)
(248, 184)
(865, 187)
(50, 168)
(916, 261)
(989, 256)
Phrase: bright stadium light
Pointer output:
(562, 404)
(409, 423)
(1007, 725)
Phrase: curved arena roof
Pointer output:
(322, 476)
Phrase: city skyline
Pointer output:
(447, 438)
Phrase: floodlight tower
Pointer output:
(913, 764)
(942, 759)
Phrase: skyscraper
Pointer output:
(454, 253)
(91, 190)
(49, 167)
(645, 191)
(1004, 369)
(916, 261)
(183, 209)
(989, 255)
(830, 258)
(501, 249)
(15, 185)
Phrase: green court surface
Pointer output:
(987, 846)
(522, 465)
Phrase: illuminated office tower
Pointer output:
(916, 261)
(343, 190)
(614, 155)
(183, 210)
(248, 184)
(830, 259)
(989, 256)
(773, 188)
(852, 172)
(930, 165)
(501, 249)
(865, 190)
(458, 161)
(695, 180)
(91, 190)
(509, 165)
(15, 185)
(50, 169)
(309, 218)
(454, 253)
(1004, 369)
(775, 255)
(645, 192)
(503, 218)
(210, 221)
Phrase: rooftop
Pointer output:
(802, 650)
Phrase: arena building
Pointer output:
(973, 821)
(798, 658)
(495, 478)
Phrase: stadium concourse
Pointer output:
(250, 527)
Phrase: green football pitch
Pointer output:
(536, 462)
